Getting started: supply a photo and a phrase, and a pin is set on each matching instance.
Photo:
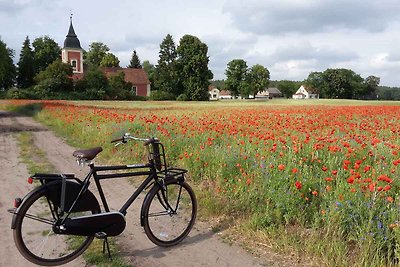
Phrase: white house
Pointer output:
(225, 94)
(213, 93)
(304, 93)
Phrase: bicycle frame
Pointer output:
(151, 177)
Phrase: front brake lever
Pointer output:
(119, 143)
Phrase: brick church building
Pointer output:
(72, 53)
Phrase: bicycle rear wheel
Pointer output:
(169, 213)
(34, 235)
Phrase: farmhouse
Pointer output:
(305, 93)
(271, 92)
(213, 92)
(72, 53)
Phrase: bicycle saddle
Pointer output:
(87, 154)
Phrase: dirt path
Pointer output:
(201, 248)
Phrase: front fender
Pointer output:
(52, 191)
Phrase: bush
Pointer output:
(16, 93)
(161, 95)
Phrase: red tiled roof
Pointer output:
(135, 76)
(225, 92)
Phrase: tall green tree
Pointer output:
(166, 77)
(236, 73)
(258, 79)
(342, 83)
(150, 70)
(193, 67)
(46, 51)
(7, 68)
(371, 84)
(135, 61)
(25, 66)
(317, 83)
(97, 51)
(109, 60)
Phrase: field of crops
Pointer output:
(331, 167)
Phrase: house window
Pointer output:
(74, 64)
(134, 90)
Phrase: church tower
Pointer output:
(72, 52)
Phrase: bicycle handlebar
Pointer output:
(127, 137)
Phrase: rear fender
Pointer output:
(52, 190)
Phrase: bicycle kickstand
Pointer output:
(105, 243)
(103, 236)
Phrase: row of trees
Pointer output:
(343, 83)
(331, 83)
(182, 71)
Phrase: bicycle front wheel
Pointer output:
(169, 213)
(34, 235)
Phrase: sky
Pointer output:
(291, 38)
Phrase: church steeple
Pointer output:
(72, 52)
(72, 40)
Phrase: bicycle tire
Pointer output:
(167, 224)
(36, 240)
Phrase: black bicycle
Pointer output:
(57, 221)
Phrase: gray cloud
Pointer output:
(311, 16)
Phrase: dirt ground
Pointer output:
(201, 248)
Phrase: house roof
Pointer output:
(273, 90)
(224, 92)
(310, 90)
(135, 76)
(71, 40)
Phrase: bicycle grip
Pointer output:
(117, 140)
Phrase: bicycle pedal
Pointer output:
(101, 235)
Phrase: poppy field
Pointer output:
(332, 170)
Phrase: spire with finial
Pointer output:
(72, 40)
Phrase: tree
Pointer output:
(45, 51)
(193, 67)
(97, 85)
(25, 66)
(109, 60)
(166, 77)
(119, 89)
(236, 73)
(96, 53)
(288, 88)
(258, 79)
(54, 80)
(317, 83)
(150, 70)
(135, 61)
(342, 83)
(371, 84)
(7, 68)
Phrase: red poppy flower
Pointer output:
(298, 185)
